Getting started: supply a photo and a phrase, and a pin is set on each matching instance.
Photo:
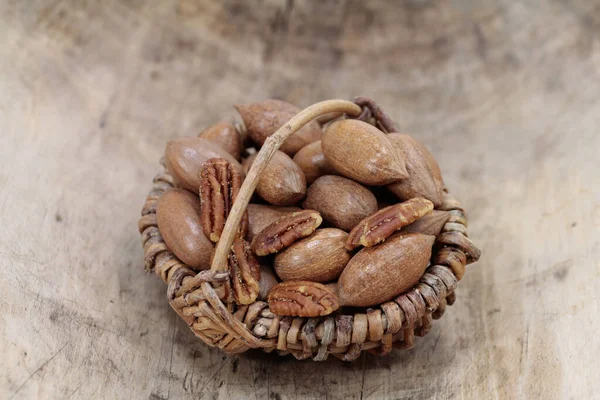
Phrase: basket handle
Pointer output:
(263, 157)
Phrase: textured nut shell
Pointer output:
(282, 183)
(430, 224)
(185, 156)
(263, 118)
(320, 257)
(260, 216)
(302, 299)
(312, 162)
(266, 283)
(378, 274)
(226, 136)
(342, 202)
(425, 177)
(362, 152)
(178, 219)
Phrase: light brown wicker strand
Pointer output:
(204, 300)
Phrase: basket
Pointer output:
(199, 297)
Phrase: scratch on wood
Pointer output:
(76, 390)
(209, 380)
(373, 391)
(481, 42)
(437, 339)
(364, 372)
(37, 370)
(192, 376)
(171, 360)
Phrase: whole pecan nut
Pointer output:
(220, 184)
(285, 231)
(381, 225)
(244, 271)
(302, 299)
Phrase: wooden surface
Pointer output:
(506, 95)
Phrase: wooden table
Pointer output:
(505, 94)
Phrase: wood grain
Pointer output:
(505, 94)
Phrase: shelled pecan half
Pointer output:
(302, 299)
(244, 270)
(219, 187)
(285, 231)
(381, 225)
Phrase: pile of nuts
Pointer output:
(343, 216)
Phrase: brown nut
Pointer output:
(424, 174)
(378, 274)
(302, 299)
(285, 231)
(363, 153)
(312, 162)
(263, 118)
(244, 272)
(381, 225)
(260, 216)
(179, 222)
(220, 185)
(320, 257)
(430, 224)
(185, 156)
(282, 183)
(342, 202)
(266, 283)
(226, 136)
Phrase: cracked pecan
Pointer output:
(219, 187)
(381, 225)
(244, 272)
(302, 299)
(285, 231)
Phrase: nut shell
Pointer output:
(282, 183)
(185, 156)
(266, 283)
(312, 161)
(226, 136)
(363, 153)
(341, 201)
(178, 217)
(430, 224)
(263, 118)
(425, 177)
(378, 274)
(320, 257)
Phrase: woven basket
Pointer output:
(198, 297)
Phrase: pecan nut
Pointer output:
(381, 225)
(302, 299)
(220, 184)
(285, 231)
(244, 271)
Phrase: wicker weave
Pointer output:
(203, 299)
